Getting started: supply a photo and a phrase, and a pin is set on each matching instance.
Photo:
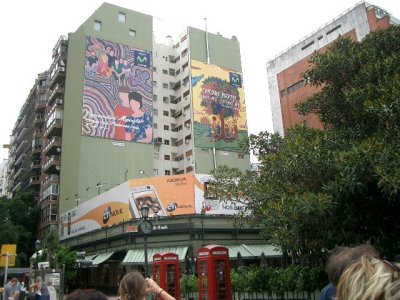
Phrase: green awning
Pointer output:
(136, 256)
(268, 250)
(90, 257)
(235, 249)
(101, 258)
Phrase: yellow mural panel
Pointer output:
(219, 109)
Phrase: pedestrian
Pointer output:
(369, 278)
(339, 259)
(12, 289)
(134, 286)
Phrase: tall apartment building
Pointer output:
(3, 178)
(287, 87)
(114, 105)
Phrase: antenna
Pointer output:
(207, 49)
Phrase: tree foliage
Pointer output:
(317, 189)
(19, 219)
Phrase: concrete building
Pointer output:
(287, 87)
(115, 105)
(3, 178)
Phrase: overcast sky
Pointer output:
(30, 29)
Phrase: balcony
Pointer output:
(19, 172)
(39, 120)
(50, 180)
(36, 164)
(52, 166)
(58, 92)
(34, 180)
(37, 133)
(36, 150)
(53, 147)
(58, 75)
(40, 107)
(55, 128)
(20, 159)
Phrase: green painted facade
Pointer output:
(85, 161)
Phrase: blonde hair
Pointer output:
(132, 286)
(368, 279)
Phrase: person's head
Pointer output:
(369, 278)
(135, 100)
(132, 286)
(14, 281)
(89, 294)
(342, 257)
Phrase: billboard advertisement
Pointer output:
(165, 195)
(118, 92)
(219, 110)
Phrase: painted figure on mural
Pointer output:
(139, 123)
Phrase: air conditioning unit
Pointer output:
(59, 101)
(158, 140)
(187, 141)
(187, 125)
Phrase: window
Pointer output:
(167, 157)
(132, 32)
(166, 113)
(154, 97)
(121, 17)
(154, 83)
(283, 93)
(165, 71)
(183, 38)
(166, 142)
(155, 172)
(167, 172)
(155, 112)
(184, 52)
(165, 85)
(240, 156)
(155, 126)
(97, 25)
(154, 69)
(166, 127)
(295, 87)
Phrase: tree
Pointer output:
(19, 220)
(317, 189)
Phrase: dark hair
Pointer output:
(123, 89)
(89, 294)
(342, 257)
(137, 97)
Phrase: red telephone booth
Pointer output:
(166, 273)
(214, 273)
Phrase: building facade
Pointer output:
(286, 85)
(116, 105)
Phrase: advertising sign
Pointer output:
(165, 195)
(10, 250)
(219, 110)
(118, 92)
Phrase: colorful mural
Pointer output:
(118, 93)
(218, 107)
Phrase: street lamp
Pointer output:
(77, 199)
(37, 248)
(146, 226)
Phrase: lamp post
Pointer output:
(77, 199)
(146, 226)
(99, 185)
(37, 248)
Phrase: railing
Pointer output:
(304, 295)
